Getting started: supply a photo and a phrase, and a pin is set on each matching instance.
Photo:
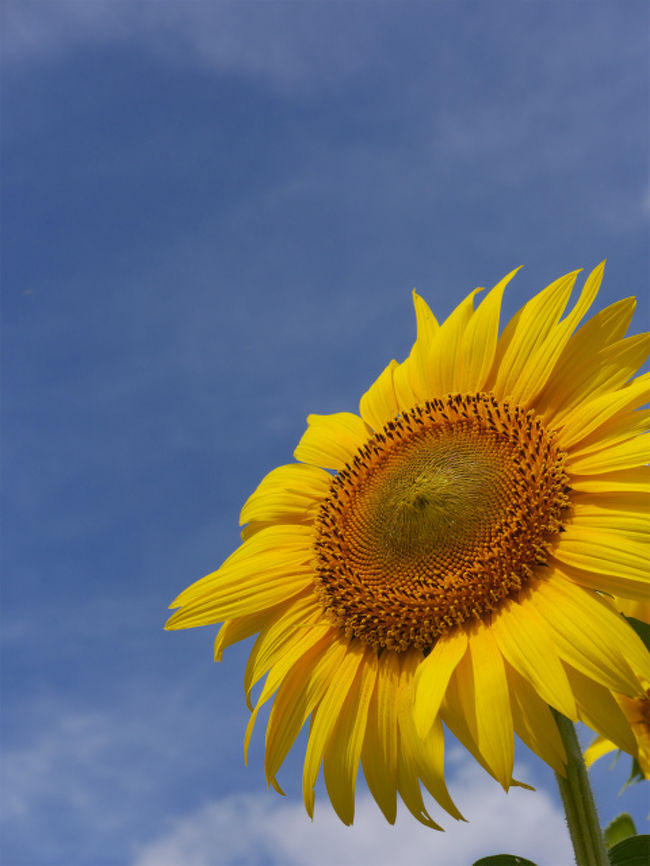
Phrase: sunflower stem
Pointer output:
(578, 799)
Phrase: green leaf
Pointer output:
(634, 851)
(641, 628)
(620, 828)
(507, 860)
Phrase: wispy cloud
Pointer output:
(290, 45)
(260, 830)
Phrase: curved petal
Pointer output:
(479, 341)
(379, 404)
(590, 636)
(534, 723)
(300, 692)
(492, 704)
(528, 647)
(294, 491)
(331, 441)
(582, 355)
(533, 324)
(540, 365)
(325, 718)
(343, 751)
(432, 677)
(380, 747)
(599, 410)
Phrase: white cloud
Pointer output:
(261, 829)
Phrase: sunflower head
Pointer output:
(448, 555)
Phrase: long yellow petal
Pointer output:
(492, 704)
(590, 636)
(380, 747)
(542, 361)
(407, 764)
(598, 709)
(411, 379)
(294, 491)
(285, 547)
(624, 426)
(242, 627)
(602, 552)
(626, 455)
(331, 441)
(282, 664)
(626, 587)
(599, 410)
(535, 321)
(343, 751)
(606, 518)
(279, 636)
(379, 404)
(432, 677)
(325, 718)
(300, 692)
(479, 341)
(582, 355)
(446, 352)
(624, 481)
(525, 642)
(534, 723)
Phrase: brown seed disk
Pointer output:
(437, 519)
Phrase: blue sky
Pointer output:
(213, 216)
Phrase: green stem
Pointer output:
(578, 800)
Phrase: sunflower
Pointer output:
(448, 555)
(637, 712)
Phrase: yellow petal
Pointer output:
(407, 765)
(325, 718)
(612, 584)
(479, 341)
(599, 410)
(492, 704)
(598, 709)
(602, 552)
(624, 426)
(300, 692)
(526, 644)
(626, 455)
(294, 491)
(331, 441)
(380, 748)
(534, 322)
(433, 675)
(343, 751)
(534, 723)
(599, 747)
(582, 356)
(542, 361)
(625, 481)
(242, 627)
(420, 358)
(411, 379)
(297, 622)
(446, 352)
(280, 547)
(379, 404)
(590, 636)
(282, 664)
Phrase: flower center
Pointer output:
(438, 519)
